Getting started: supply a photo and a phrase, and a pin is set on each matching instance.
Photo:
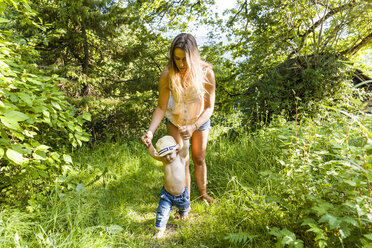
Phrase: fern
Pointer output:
(241, 237)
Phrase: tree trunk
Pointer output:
(353, 50)
(87, 89)
(85, 64)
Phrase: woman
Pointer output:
(186, 98)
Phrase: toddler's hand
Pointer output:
(146, 138)
(186, 131)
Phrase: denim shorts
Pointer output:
(205, 126)
(167, 200)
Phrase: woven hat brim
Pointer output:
(166, 150)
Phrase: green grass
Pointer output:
(125, 199)
(110, 195)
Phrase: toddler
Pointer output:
(174, 191)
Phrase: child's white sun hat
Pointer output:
(166, 145)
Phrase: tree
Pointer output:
(291, 51)
(94, 38)
(82, 32)
(268, 32)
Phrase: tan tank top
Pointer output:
(187, 111)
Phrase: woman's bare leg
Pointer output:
(198, 148)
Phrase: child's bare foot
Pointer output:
(183, 217)
(159, 234)
(180, 217)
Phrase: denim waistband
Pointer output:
(205, 126)
(175, 196)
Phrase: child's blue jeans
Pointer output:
(167, 200)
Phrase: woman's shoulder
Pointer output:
(209, 73)
(164, 78)
(206, 65)
(207, 68)
(164, 73)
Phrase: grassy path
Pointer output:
(117, 192)
(270, 188)
(110, 196)
(127, 195)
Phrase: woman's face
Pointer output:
(180, 59)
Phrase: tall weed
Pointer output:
(320, 181)
(15, 227)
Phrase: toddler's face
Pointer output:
(171, 156)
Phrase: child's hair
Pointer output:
(196, 73)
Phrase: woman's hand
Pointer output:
(146, 138)
(186, 131)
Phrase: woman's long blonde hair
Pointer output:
(195, 75)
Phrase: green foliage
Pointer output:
(112, 118)
(108, 48)
(288, 51)
(302, 181)
(286, 238)
(79, 42)
(99, 47)
(363, 60)
(326, 178)
(298, 84)
(238, 238)
(269, 32)
(290, 184)
(136, 64)
(15, 227)
(171, 15)
(313, 188)
(38, 125)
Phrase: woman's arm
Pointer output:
(160, 109)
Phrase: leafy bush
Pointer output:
(320, 180)
(118, 117)
(37, 124)
(301, 83)
(330, 164)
